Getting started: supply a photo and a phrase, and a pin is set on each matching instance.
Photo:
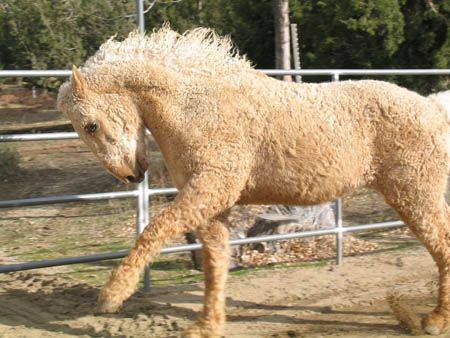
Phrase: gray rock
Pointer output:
(287, 219)
(275, 220)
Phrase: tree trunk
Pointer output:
(282, 50)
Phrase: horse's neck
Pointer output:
(164, 119)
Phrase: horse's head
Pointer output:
(110, 124)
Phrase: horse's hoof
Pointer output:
(107, 306)
(201, 329)
(432, 330)
(435, 324)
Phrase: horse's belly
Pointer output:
(289, 192)
(306, 181)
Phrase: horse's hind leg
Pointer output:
(433, 232)
(418, 196)
(215, 260)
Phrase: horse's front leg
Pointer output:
(215, 259)
(204, 196)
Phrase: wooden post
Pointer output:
(282, 36)
(295, 51)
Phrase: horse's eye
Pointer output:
(91, 128)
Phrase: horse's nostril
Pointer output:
(130, 178)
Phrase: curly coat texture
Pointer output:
(229, 134)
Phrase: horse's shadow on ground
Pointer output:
(48, 308)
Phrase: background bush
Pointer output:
(9, 160)
(54, 34)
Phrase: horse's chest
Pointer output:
(182, 164)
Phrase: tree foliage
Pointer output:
(53, 34)
(426, 41)
(349, 34)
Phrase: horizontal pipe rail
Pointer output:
(67, 199)
(83, 197)
(39, 137)
(360, 72)
(190, 247)
(35, 73)
(272, 72)
(162, 191)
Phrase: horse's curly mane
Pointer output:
(198, 50)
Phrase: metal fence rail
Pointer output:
(356, 72)
(271, 72)
(39, 137)
(84, 197)
(192, 247)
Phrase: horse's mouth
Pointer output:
(139, 175)
(134, 179)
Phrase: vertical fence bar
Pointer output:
(339, 235)
(142, 220)
(146, 209)
(143, 212)
(140, 15)
(338, 216)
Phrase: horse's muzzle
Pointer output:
(135, 179)
(139, 177)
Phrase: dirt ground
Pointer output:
(308, 301)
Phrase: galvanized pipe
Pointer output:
(67, 199)
(271, 72)
(143, 210)
(140, 16)
(339, 233)
(279, 72)
(142, 214)
(83, 197)
(47, 263)
(338, 214)
(162, 191)
(39, 137)
(35, 73)
(191, 247)
(143, 219)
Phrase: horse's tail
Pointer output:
(443, 99)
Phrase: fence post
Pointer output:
(142, 219)
(143, 210)
(338, 217)
(140, 16)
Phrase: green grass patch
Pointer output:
(112, 246)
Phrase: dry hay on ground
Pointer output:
(303, 250)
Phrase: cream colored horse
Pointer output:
(229, 134)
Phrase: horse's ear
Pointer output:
(78, 83)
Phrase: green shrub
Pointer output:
(9, 160)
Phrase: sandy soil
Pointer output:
(315, 301)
